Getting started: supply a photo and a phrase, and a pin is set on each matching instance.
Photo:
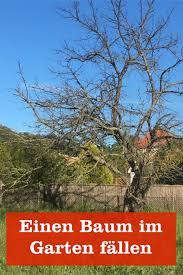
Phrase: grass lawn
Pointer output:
(115, 270)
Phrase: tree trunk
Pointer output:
(135, 193)
(53, 196)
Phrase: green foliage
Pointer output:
(6, 134)
(30, 160)
(53, 169)
(117, 157)
(169, 166)
(46, 165)
(5, 163)
(88, 170)
(90, 147)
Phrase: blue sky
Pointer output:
(30, 32)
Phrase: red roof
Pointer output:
(143, 142)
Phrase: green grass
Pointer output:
(114, 270)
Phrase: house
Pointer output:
(161, 139)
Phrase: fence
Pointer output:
(95, 198)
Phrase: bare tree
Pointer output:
(115, 80)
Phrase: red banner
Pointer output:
(91, 238)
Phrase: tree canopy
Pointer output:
(94, 95)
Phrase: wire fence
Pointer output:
(92, 198)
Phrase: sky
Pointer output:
(30, 32)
